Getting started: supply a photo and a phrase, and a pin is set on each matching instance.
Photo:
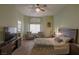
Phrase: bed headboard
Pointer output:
(72, 33)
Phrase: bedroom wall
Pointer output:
(67, 17)
(47, 30)
(9, 16)
(43, 21)
(26, 24)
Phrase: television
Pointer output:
(9, 33)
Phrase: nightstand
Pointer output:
(74, 49)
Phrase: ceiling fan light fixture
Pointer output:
(37, 10)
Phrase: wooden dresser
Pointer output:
(8, 47)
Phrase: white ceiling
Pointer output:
(28, 10)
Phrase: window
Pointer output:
(34, 28)
(19, 25)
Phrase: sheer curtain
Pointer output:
(34, 28)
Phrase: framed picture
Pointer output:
(49, 24)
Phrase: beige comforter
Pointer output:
(48, 46)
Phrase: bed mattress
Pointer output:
(48, 46)
(48, 41)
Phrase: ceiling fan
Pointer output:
(40, 7)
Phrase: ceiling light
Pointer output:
(37, 10)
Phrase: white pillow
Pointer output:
(65, 39)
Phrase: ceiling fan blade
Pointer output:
(42, 9)
(45, 5)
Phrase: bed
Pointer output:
(56, 45)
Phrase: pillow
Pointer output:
(65, 39)
(58, 39)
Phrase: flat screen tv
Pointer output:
(9, 33)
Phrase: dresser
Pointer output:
(8, 47)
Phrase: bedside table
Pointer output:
(74, 49)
